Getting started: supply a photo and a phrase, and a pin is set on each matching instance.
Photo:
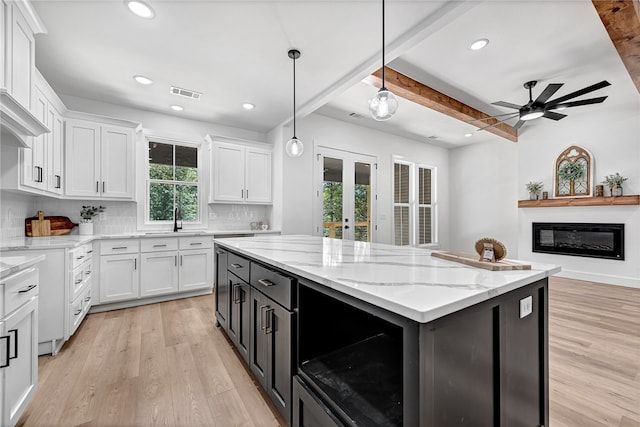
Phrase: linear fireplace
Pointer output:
(579, 239)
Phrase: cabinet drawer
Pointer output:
(18, 289)
(238, 266)
(125, 246)
(77, 280)
(80, 254)
(78, 310)
(273, 284)
(196, 242)
(158, 245)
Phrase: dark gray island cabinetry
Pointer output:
(383, 335)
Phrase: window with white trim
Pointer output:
(173, 182)
(414, 207)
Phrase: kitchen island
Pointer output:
(387, 335)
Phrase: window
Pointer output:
(172, 182)
(413, 204)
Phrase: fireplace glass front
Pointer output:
(580, 239)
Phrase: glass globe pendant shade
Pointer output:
(384, 105)
(294, 147)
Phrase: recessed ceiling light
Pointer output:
(468, 135)
(248, 106)
(143, 80)
(479, 44)
(177, 108)
(140, 8)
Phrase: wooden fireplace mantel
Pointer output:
(580, 201)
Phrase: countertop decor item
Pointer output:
(86, 223)
(573, 176)
(294, 147)
(40, 226)
(614, 182)
(60, 225)
(488, 244)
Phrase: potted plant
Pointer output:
(534, 189)
(614, 182)
(571, 171)
(86, 218)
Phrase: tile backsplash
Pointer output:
(119, 217)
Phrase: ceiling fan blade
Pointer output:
(548, 92)
(519, 124)
(493, 117)
(578, 103)
(553, 116)
(507, 104)
(577, 93)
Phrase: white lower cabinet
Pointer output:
(18, 343)
(142, 268)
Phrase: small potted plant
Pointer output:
(534, 189)
(86, 218)
(614, 182)
(571, 171)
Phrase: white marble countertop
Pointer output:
(404, 280)
(73, 240)
(12, 264)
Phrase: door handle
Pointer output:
(15, 345)
(236, 266)
(263, 324)
(265, 282)
(268, 316)
(58, 181)
(103, 186)
(7, 339)
(97, 187)
(27, 289)
(236, 299)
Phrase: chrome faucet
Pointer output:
(177, 213)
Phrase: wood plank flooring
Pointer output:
(167, 365)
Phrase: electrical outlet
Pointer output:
(526, 306)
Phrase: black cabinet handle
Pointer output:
(195, 243)
(97, 187)
(159, 246)
(118, 247)
(90, 252)
(265, 282)
(180, 260)
(236, 265)
(88, 272)
(103, 187)
(38, 174)
(27, 289)
(80, 257)
(135, 263)
(87, 299)
(77, 312)
(175, 262)
(58, 181)
(15, 345)
(77, 282)
(7, 339)
(247, 193)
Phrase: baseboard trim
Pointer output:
(600, 278)
(150, 300)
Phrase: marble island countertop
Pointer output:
(73, 240)
(11, 264)
(404, 280)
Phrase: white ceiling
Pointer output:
(236, 51)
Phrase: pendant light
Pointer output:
(384, 104)
(294, 146)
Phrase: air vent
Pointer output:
(355, 115)
(187, 93)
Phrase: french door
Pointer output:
(345, 195)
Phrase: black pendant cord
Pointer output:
(383, 88)
(294, 97)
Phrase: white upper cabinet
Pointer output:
(17, 55)
(99, 160)
(240, 174)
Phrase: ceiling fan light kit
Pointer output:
(385, 104)
(294, 146)
(541, 106)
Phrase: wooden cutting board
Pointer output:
(472, 260)
(59, 225)
(40, 226)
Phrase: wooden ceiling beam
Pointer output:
(621, 18)
(407, 88)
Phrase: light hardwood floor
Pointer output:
(166, 364)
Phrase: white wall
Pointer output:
(484, 190)
(612, 137)
(298, 173)
(14, 208)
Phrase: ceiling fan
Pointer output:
(540, 107)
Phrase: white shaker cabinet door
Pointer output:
(158, 273)
(116, 162)
(82, 167)
(55, 122)
(258, 175)
(196, 269)
(228, 173)
(119, 277)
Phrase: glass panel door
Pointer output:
(345, 197)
